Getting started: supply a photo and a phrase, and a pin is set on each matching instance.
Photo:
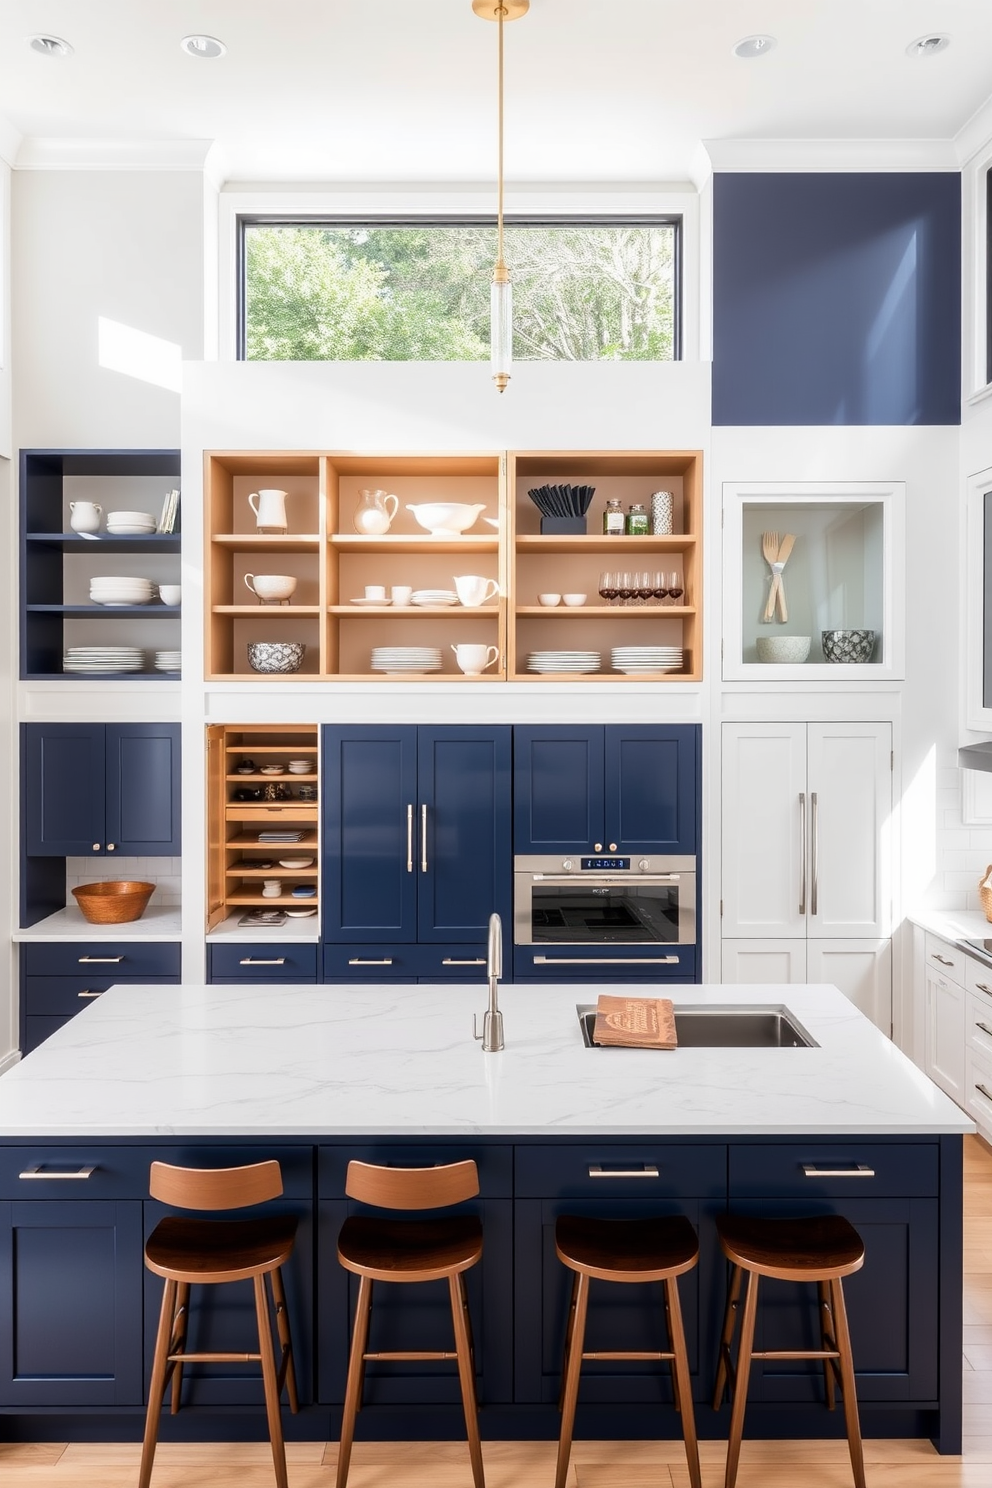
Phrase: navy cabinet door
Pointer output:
(464, 782)
(65, 789)
(558, 802)
(651, 791)
(142, 791)
(70, 1283)
(371, 834)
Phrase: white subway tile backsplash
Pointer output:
(165, 873)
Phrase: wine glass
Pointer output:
(660, 586)
(608, 586)
(645, 588)
(675, 587)
(625, 587)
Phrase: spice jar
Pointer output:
(613, 519)
(637, 520)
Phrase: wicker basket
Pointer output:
(985, 895)
(114, 902)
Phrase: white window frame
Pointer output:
(976, 386)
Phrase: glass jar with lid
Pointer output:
(637, 520)
(614, 523)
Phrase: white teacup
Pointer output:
(473, 590)
(376, 592)
(474, 660)
(170, 594)
(271, 588)
(401, 594)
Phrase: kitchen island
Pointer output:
(315, 1076)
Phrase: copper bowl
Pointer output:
(114, 902)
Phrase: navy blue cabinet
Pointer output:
(94, 789)
(627, 788)
(416, 838)
(61, 978)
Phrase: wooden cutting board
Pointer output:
(635, 1022)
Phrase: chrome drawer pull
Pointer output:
(985, 1028)
(987, 1094)
(450, 961)
(983, 988)
(38, 1172)
(942, 959)
(860, 1170)
(88, 993)
(100, 960)
(361, 961)
(257, 961)
(646, 1170)
(606, 960)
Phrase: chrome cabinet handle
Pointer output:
(802, 851)
(409, 838)
(450, 961)
(982, 988)
(987, 1094)
(363, 961)
(985, 1028)
(38, 1171)
(100, 960)
(88, 993)
(646, 1170)
(606, 960)
(111, 846)
(814, 851)
(423, 838)
(942, 959)
(859, 1170)
(257, 961)
(96, 847)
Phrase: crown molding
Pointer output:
(807, 155)
(38, 153)
(974, 136)
(10, 141)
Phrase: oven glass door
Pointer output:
(605, 912)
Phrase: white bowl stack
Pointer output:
(131, 524)
(398, 659)
(117, 590)
(168, 661)
(564, 661)
(638, 660)
(431, 598)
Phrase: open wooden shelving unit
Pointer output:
(333, 563)
(234, 854)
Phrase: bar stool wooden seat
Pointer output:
(822, 1249)
(411, 1250)
(190, 1251)
(626, 1250)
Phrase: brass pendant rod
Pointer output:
(501, 13)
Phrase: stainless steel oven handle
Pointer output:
(602, 878)
(606, 960)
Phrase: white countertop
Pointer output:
(230, 932)
(953, 924)
(161, 922)
(400, 1060)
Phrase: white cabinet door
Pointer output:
(945, 1034)
(764, 869)
(849, 777)
(862, 969)
(772, 961)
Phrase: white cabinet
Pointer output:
(775, 962)
(978, 1045)
(861, 969)
(946, 1016)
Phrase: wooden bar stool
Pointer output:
(406, 1251)
(193, 1251)
(822, 1249)
(626, 1250)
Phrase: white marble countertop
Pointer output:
(159, 922)
(230, 932)
(400, 1060)
(953, 924)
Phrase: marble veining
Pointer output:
(364, 1060)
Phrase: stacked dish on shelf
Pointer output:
(168, 661)
(564, 661)
(131, 524)
(118, 591)
(636, 660)
(406, 659)
(99, 661)
(429, 598)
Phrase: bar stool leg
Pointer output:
(466, 1375)
(827, 1341)
(570, 1382)
(286, 1365)
(680, 1372)
(569, 1330)
(741, 1379)
(729, 1323)
(270, 1381)
(180, 1330)
(156, 1389)
(843, 1337)
(356, 1377)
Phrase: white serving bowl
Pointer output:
(445, 518)
(550, 600)
(784, 649)
(574, 599)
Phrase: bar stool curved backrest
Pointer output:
(411, 1250)
(187, 1251)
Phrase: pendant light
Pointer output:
(501, 294)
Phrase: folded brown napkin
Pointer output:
(635, 1022)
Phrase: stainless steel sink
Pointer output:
(763, 1026)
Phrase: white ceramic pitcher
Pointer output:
(270, 510)
(85, 516)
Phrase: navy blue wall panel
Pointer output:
(837, 299)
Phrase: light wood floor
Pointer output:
(811, 1464)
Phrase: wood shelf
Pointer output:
(607, 612)
(271, 612)
(598, 542)
(414, 542)
(268, 542)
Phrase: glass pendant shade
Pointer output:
(501, 326)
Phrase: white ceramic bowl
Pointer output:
(276, 656)
(445, 518)
(575, 599)
(170, 594)
(784, 649)
(549, 599)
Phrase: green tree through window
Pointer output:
(319, 292)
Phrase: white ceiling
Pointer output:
(399, 91)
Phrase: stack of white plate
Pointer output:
(168, 661)
(564, 661)
(635, 660)
(131, 524)
(406, 659)
(432, 597)
(121, 591)
(99, 661)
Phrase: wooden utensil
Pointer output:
(769, 551)
(784, 553)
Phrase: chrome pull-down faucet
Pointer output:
(492, 1019)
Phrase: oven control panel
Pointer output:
(602, 865)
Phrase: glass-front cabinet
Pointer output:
(813, 581)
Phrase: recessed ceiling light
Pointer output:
(754, 46)
(203, 46)
(50, 46)
(927, 46)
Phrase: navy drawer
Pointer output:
(816, 1169)
(495, 1164)
(115, 960)
(122, 1172)
(267, 961)
(41, 1027)
(621, 1170)
(68, 995)
(371, 963)
(598, 963)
